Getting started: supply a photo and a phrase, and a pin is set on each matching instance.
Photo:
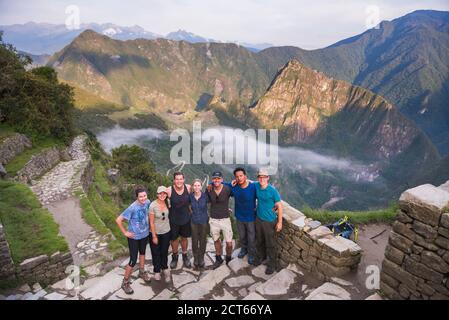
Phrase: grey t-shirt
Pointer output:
(161, 222)
(219, 204)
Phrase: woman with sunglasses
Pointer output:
(160, 234)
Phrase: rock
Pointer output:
(340, 246)
(37, 295)
(192, 291)
(445, 220)
(434, 261)
(341, 282)
(181, 279)
(320, 232)
(55, 296)
(300, 222)
(94, 270)
(113, 175)
(293, 267)
(241, 281)
(329, 291)
(422, 271)
(25, 288)
(109, 283)
(214, 277)
(61, 285)
(238, 264)
(254, 296)
(254, 286)
(331, 270)
(31, 263)
(398, 273)
(424, 203)
(142, 291)
(243, 292)
(424, 230)
(442, 242)
(3, 172)
(375, 296)
(36, 287)
(400, 242)
(278, 284)
(393, 254)
(165, 295)
(259, 272)
(225, 296)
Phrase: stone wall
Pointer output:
(39, 164)
(12, 146)
(416, 264)
(315, 249)
(6, 263)
(44, 269)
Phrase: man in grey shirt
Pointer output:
(220, 217)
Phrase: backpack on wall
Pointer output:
(344, 228)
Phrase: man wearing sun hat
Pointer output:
(268, 220)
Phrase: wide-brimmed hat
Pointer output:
(161, 189)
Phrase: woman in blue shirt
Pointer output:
(138, 230)
(200, 223)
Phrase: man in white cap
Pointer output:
(268, 221)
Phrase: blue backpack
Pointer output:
(344, 228)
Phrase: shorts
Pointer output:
(221, 225)
(176, 230)
(136, 247)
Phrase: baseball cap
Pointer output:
(217, 174)
(262, 172)
(161, 189)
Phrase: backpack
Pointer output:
(344, 228)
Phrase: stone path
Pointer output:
(237, 281)
(56, 191)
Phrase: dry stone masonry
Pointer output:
(12, 146)
(7, 271)
(316, 249)
(416, 264)
(45, 269)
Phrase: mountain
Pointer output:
(47, 38)
(182, 35)
(405, 60)
(166, 76)
(315, 111)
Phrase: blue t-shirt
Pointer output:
(137, 216)
(266, 199)
(199, 208)
(245, 202)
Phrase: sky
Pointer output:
(306, 24)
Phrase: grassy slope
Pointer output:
(30, 229)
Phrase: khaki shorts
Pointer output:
(218, 225)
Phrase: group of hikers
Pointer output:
(182, 211)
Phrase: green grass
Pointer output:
(357, 217)
(5, 132)
(38, 146)
(29, 228)
(90, 216)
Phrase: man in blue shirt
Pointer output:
(244, 193)
(268, 221)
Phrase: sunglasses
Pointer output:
(163, 215)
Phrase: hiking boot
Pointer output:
(255, 262)
(126, 287)
(157, 276)
(174, 261)
(243, 252)
(228, 259)
(167, 275)
(186, 261)
(202, 265)
(218, 262)
(269, 270)
(251, 260)
(144, 275)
